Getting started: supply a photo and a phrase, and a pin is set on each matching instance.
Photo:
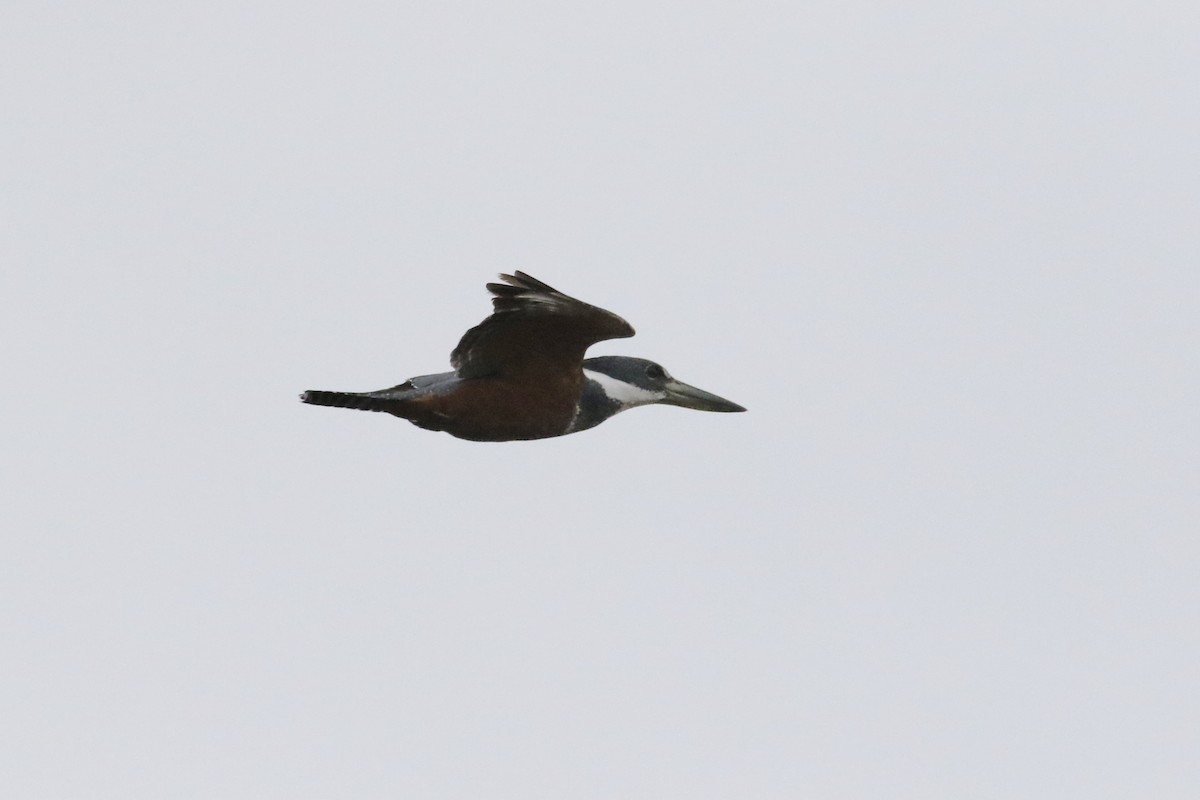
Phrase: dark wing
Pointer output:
(533, 329)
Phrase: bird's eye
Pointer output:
(655, 372)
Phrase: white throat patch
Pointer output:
(624, 393)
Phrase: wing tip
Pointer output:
(520, 282)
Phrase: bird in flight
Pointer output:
(521, 374)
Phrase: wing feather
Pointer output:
(533, 328)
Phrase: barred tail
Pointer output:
(362, 401)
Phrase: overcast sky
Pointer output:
(947, 254)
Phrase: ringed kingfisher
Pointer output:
(521, 374)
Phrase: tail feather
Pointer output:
(361, 401)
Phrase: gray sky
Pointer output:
(946, 254)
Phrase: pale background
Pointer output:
(945, 252)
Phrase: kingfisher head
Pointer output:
(615, 383)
